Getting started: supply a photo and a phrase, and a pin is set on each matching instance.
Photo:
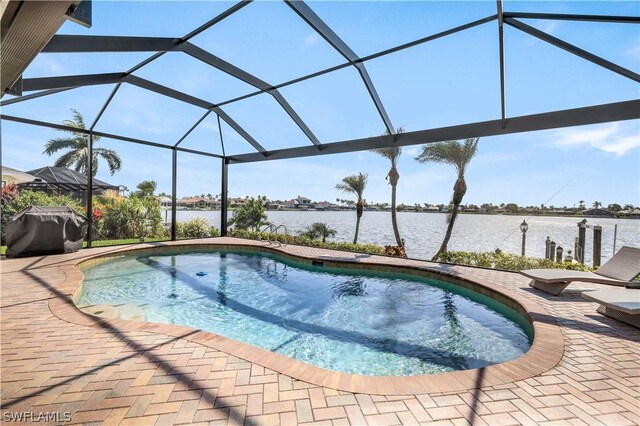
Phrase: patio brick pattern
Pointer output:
(57, 359)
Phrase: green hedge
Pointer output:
(196, 228)
(302, 241)
(505, 261)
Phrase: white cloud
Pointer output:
(311, 39)
(411, 151)
(548, 27)
(48, 65)
(608, 138)
(633, 51)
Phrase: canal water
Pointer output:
(423, 232)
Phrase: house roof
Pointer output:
(65, 179)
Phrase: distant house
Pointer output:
(196, 202)
(596, 212)
(236, 202)
(348, 205)
(322, 205)
(289, 205)
(275, 205)
(630, 214)
(302, 203)
(165, 201)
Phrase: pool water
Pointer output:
(343, 320)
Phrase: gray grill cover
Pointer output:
(45, 230)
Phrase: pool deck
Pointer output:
(56, 359)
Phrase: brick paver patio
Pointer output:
(56, 359)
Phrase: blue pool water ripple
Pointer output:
(340, 320)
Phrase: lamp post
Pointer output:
(524, 228)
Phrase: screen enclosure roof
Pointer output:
(287, 94)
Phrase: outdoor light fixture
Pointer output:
(524, 227)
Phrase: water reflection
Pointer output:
(353, 286)
(222, 284)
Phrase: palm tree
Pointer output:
(146, 188)
(581, 204)
(458, 155)
(250, 215)
(78, 146)
(319, 230)
(393, 154)
(355, 184)
(596, 205)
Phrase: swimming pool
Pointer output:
(341, 319)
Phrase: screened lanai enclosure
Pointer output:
(207, 88)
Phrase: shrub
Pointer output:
(10, 192)
(395, 251)
(505, 261)
(131, 217)
(303, 241)
(14, 202)
(195, 228)
(318, 230)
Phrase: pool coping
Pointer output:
(545, 352)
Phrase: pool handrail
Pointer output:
(263, 229)
(275, 232)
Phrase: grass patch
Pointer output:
(104, 243)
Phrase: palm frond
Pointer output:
(450, 152)
(77, 122)
(67, 160)
(56, 144)
(354, 184)
(113, 159)
(391, 152)
(344, 188)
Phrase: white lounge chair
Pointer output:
(622, 304)
(620, 270)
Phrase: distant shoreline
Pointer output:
(425, 212)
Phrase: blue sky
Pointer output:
(449, 81)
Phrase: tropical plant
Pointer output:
(195, 228)
(250, 215)
(146, 188)
(581, 204)
(393, 153)
(459, 156)
(9, 192)
(122, 217)
(355, 184)
(77, 145)
(318, 230)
